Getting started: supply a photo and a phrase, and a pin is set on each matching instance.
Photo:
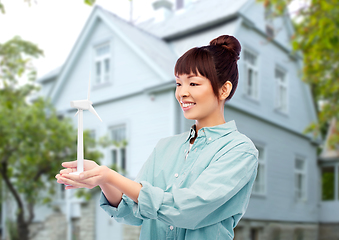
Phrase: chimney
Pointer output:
(162, 9)
(179, 4)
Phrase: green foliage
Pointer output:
(15, 61)
(89, 2)
(2, 8)
(328, 183)
(12, 230)
(316, 36)
(105, 141)
(35, 140)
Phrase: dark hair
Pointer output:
(216, 62)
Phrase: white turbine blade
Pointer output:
(91, 109)
(76, 113)
(89, 85)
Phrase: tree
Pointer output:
(34, 139)
(316, 37)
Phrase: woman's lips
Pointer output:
(186, 107)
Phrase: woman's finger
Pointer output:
(89, 174)
(68, 170)
(89, 178)
(72, 184)
(72, 164)
(70, 187)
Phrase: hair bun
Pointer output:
(228, 42)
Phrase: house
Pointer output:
(329, 171)
(133, 92)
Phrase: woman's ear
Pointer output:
(225, 90)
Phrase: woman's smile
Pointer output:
(187, 105)
(195, 95)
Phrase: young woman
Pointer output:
(195, 185)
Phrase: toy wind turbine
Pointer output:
(82, 105)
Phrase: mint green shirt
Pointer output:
(199, 195)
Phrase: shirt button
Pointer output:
(176, 175)
(171, 227)
(210, 139)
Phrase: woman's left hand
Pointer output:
(87, 179)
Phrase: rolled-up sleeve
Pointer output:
(124, 212)
(221, 191)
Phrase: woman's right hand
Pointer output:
(72, 167)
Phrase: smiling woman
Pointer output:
(195, 185)
(196, 97)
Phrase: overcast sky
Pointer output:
(54, 25)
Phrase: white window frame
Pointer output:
(60, 191)
(336, 181)
(121, 163)
(300, 194)
(259, 188)
(101, 59)
(281, 104)
(254, 91)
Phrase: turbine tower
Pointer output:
(82, 105)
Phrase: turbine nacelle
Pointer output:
(81, 104)
(84, 105)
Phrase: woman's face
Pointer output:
(196, 98)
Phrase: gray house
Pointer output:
(133, 91)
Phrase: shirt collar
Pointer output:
(213, 133)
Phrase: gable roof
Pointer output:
(199, 15)
(157, 49)
(144, 44)
(327, 152)
(50, 75)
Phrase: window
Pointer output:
(118, 150)
(269, 16)
(328, 183)
(276, 234)
(300, 179)
(281, 100)
(259, 183)
(102, 64)
(60, 191)
(255, 234)
(298, 234)
(251, 75)
(238, 233)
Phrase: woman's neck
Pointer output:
(200, 125)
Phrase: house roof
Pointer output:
(197, 16)
(329, 153)
(144, 44)
(50, 75)
(155, 48)
(150, 36)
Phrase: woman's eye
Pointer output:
(178, 84)
(193, 84)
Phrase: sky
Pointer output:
(55, 25)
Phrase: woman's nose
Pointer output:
(183, 92)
